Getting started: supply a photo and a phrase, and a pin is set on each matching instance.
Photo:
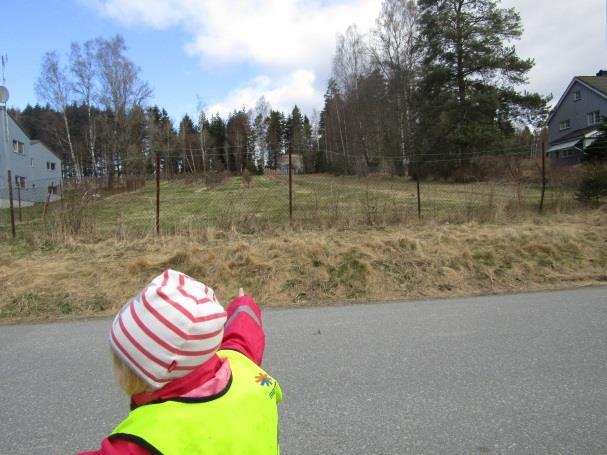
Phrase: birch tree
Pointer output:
(54, 87)
(121, 89)
(83, 69)
(394, 52)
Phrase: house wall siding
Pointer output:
(575, 111)
(37, 177)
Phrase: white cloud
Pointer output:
(282, 94)
(281, 33)
(565, 38)
(294, 37)
(297, 38)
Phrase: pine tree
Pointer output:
(275, 138)
(470, 73)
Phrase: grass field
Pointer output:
(318, 201)
(91, 252)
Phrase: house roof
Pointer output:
(597, 84)
(577, 134)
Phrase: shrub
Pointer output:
(593, 187)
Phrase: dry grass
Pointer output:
(319, 201)
(309, 267)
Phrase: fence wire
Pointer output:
(188, 202)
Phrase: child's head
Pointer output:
(168, 330)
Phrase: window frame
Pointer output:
(577, 95)
(565, 125)
(18, 147)
(20, 182)
(593, 118)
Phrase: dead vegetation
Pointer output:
(72, 278)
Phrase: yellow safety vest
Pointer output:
(243, 420)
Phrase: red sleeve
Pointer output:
(118, 447)
(243, 330)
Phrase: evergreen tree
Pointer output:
(217, 143)
(275, 138)
(470, 73)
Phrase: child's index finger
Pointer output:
(240, 292)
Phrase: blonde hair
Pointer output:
(130, 383)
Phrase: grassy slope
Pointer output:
(282, 268)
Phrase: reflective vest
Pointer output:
(241, 420)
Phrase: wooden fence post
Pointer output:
(10, 196)
(157, 193)
(290, 185)
(543, 177)
(19, 200)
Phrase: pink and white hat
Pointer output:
(171, 328)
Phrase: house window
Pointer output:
(568, 153)
(593, 118)
(20, 182)
(565, 125)
(52, 189)
(18, 147)
(577, 95)
(50, 165)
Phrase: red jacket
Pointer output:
(243, 333)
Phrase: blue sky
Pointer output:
(227, 53)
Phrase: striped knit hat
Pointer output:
(172, 327)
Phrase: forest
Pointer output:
(435, 85)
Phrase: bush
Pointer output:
(593, 187)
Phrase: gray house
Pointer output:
(35, 170)
(573, 124)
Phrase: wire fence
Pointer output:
(183, 202)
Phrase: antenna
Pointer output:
(4, 59)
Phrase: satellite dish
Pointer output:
(3, 94)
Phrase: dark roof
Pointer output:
(596, 82)
(577, 134)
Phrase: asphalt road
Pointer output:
(510, 374)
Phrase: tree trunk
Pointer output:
(71, 147)
(341, 136)
(92, 140)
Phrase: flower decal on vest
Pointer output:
(263, 379)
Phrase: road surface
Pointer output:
(508, 374)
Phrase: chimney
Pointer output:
(602, 73)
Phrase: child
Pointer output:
(192, 371)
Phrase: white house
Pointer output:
(35, 170)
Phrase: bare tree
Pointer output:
(83, 68)
(54, 87)
(394, 52)
(121, 89)
(202, 122)
(260, 123)
(350, 65)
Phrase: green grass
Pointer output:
(317, 200)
